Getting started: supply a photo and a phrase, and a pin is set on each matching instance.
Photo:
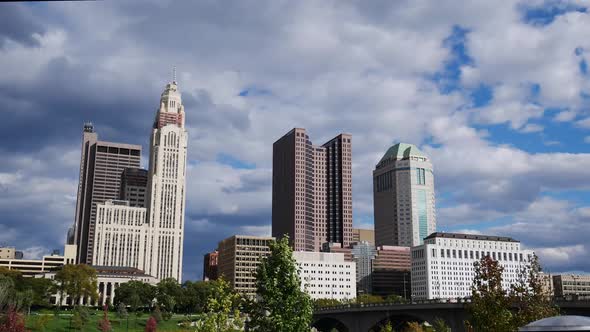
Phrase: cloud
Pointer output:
(330, 67)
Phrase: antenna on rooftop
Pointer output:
(174, 74)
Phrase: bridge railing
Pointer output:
(571, 298)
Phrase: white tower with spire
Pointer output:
(167, 182)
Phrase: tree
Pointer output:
(77, 281)
(122, 311)
(393, 298)
(194, 296)
(222, 313)
(13, 322)
(136, 294)
(320, 303)
(151, 325)
(439, 325)
(413, 327)
(41, 289)
(368, 298)
(282, 305)
(386, 328)
(489, 307)
(104, 325)
(157, 314)
(80, 318)
(528, 297)
(168, 294)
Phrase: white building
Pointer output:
(326, 275)
(31, 267)
(443, 266)
(108, 279)
(121, 235)
(403, 197)
(166, 185)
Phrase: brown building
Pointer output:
(391, 271)
(337, 248)
(210, 262)
(134, 186)
(238, 258)
(359, 235)
(312, 190)
(101, 166)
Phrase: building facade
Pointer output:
(31, 267)
(101, 166)
(571, 284)
(363, 254)
(326, 275)
(403, 197)
(312, 190)
(108, 278)
(391, 271)
(134, 187)
(10, 253)
(121, 235)
(210, 265)
(238, 259)
(166, 183)
(442, 268)
(360, 235)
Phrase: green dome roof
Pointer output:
(401, 151)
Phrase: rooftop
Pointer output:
(559, 323)
(402, 151)
(469, 237)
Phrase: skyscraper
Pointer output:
(403, 197)
(101, 165)
(312, 190)
(134, 186)
(166, 185)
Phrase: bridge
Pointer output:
(370, 317)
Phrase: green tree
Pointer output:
(320, 303)
(528, 297)
(222, 314)
(80, 318)
(168, 294)
(282, 305)
(122, 311)
(77, 281)
(413, 327)
(136, 294)
(368, 298)
(439, 325)
(393, 298)
(194, 296)
(41, 289)
(490, 307)
(386, 328)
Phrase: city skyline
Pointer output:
(507, 130)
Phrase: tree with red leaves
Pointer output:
(14, 322)
(151, 325)
(104, 325)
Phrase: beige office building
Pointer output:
(101, 166)
(238, 259)
(312, 190)
(571, 284)
(360, 235)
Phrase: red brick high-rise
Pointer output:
(312, 190)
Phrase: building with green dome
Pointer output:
(403, 197)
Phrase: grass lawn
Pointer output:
(136, 324)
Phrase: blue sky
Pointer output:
(497, 96)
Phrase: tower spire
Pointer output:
(174, 74)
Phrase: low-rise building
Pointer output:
(210, 261)
(571, 284)
(238, 259)
(443, 267)
(391, 271)
(360, 235)
(31, 267)
(326, 275)
(108, 278)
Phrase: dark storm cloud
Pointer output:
(17, 24)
